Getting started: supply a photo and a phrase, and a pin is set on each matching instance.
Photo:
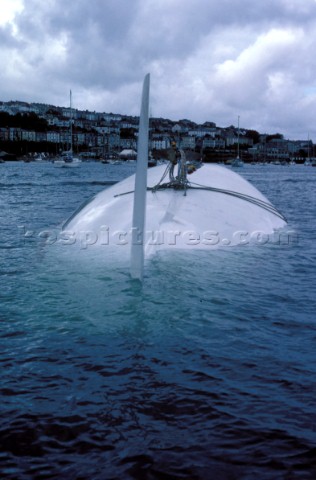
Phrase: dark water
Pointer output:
(207, 372)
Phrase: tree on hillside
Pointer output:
(26, 121)
(127, 133)
(5, 119)
(254, 135)
(275, 136)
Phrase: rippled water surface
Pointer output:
(206, 372)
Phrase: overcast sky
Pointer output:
(209, 60)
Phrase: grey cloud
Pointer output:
(209, 59)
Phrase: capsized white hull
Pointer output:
(200, 219)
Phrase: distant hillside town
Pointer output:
(26, 128)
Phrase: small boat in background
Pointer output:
(67, 158)
(237, 162)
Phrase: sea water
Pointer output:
(207, 371)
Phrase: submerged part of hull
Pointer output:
(232, 212)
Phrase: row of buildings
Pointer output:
(99, 134)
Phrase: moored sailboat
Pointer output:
(237, 162)
(67, 158)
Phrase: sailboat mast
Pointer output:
(70, 122)
(140, 193)
(238, 139)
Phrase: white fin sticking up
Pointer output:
(140, 193)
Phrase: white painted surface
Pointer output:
(200, 220)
